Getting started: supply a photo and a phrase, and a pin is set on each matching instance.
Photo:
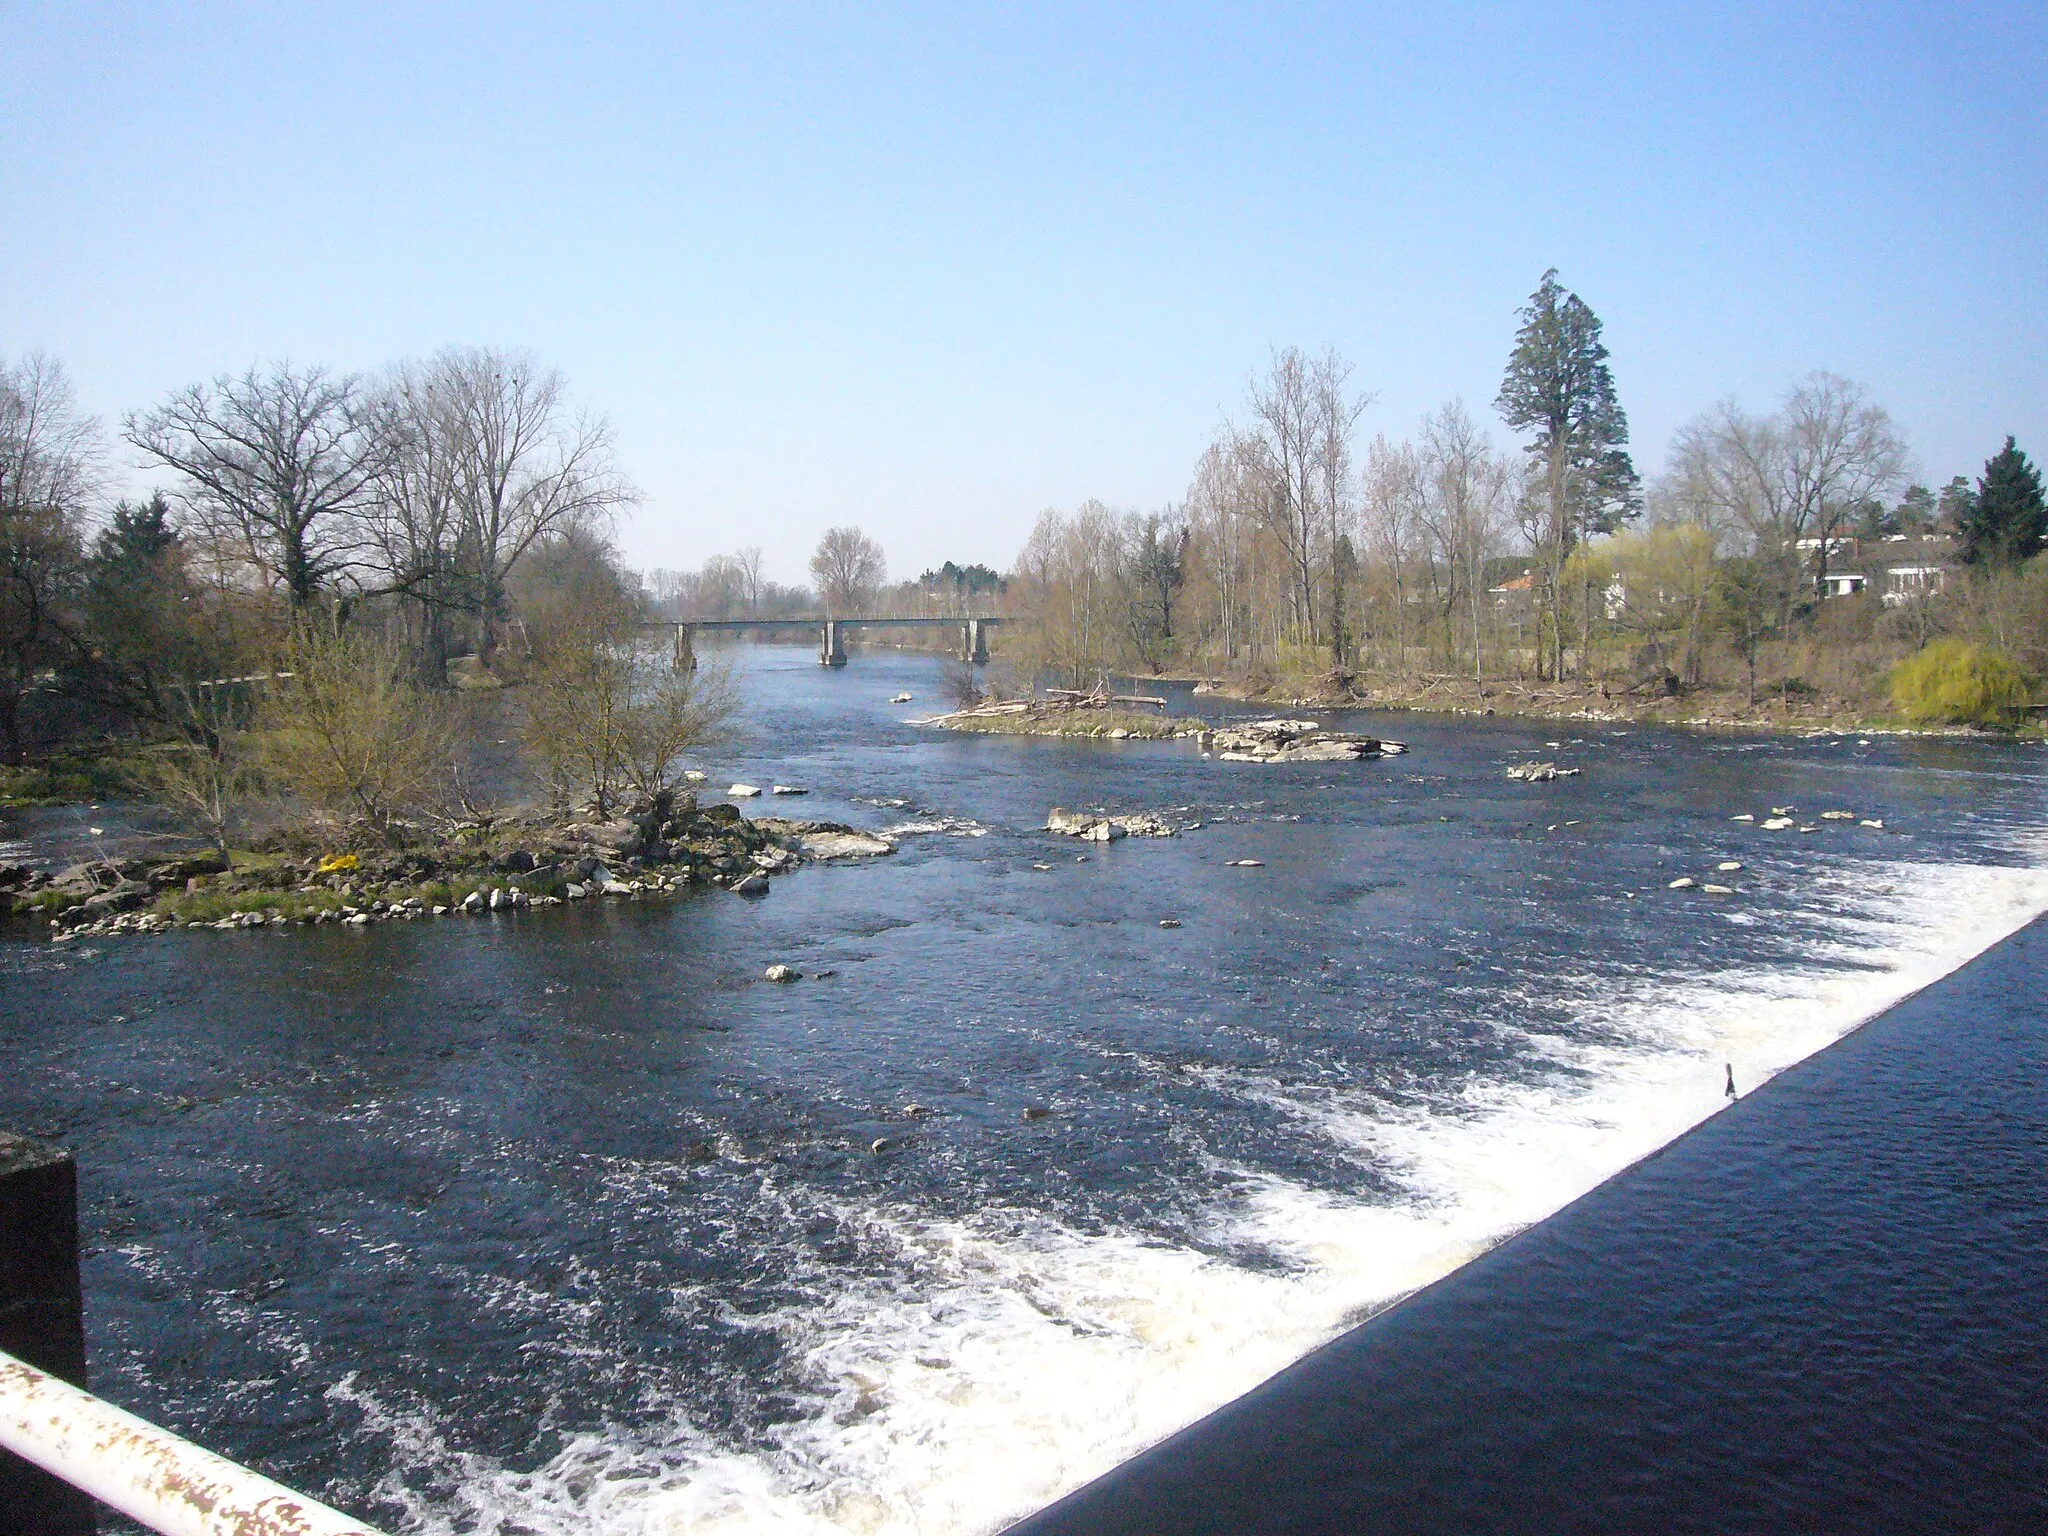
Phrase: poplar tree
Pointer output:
(1558, 387)
(2005, 522)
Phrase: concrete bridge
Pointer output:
(973, 634)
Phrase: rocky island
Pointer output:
(662, 846)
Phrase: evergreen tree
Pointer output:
(1559, 387)
(2005, 522)
(142, 614)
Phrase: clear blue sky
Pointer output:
(931, 270)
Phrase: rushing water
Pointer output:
(568, 1221)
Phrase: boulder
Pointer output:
(790, 789)
(843, 844)
(750, 885)
(1682, 883)
(781, 972)
(1539, 773)
(122, 897)
(173, 872)
(1287, 741)
(744, 791)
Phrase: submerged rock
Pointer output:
(1540, 773)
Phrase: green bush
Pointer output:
(1953, 682)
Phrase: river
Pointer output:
(568, 1221)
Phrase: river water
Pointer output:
(568, 1221)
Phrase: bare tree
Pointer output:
(1842, 452)
(748, 562)
(850, 570)
(523, 468)
(414, 519)
(1394, 507)
(1468, 486)
(1286, 439)
(48, 469)
(1796, 475)
(206, 771)
(1333, 413)
(273, 466)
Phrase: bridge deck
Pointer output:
(880, 622)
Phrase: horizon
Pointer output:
(931, 275)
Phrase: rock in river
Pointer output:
(1291, 741)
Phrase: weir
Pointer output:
(973, 647)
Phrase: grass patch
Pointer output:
(1076, 722)
(212, 906)
(66, 781)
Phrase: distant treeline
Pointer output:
(1792, 544)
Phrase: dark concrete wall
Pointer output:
(41, 1317)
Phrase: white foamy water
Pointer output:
(1007, 1359)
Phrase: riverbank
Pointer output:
(1790, 712)
(1810, 1313)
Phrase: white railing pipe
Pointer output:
(148, 1474)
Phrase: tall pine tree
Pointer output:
(1559, 387)
(2006, 521)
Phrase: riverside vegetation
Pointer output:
(290, 632)
(368, 618)
(1776, 573)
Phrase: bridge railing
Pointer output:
(148, 1474)
(974, 633)
(61, 1447)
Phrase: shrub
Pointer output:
(1953, 682)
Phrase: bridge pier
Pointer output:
(976, 648)
(686, 648)
(833, 652)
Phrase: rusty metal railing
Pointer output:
(148, 1474)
